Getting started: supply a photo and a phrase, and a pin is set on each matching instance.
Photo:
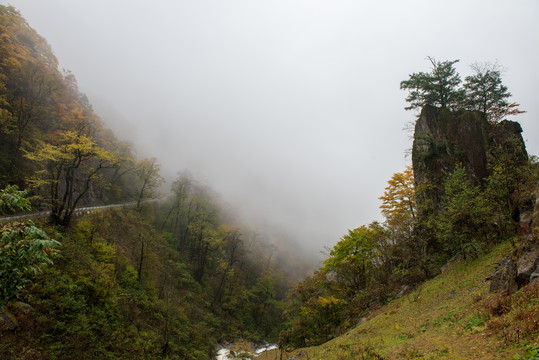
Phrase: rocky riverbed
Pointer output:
(242, 350)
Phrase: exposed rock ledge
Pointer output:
(522, 265)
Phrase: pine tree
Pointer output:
(439, 87)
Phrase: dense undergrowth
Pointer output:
(452, 316)
(104, 299)
(164, 279)
(93, 304)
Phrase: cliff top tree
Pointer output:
(439, 87)
(485, 92)
(484, 89)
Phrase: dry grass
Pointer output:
(449, 317)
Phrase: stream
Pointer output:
(242, 350)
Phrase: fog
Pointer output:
(290, 110)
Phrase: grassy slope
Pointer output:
(443, 319)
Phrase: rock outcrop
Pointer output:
(443, 139)
(522, 265)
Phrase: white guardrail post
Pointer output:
(81, 210)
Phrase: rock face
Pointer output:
(522, 266)
(443, 139)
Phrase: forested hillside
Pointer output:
(159, 279)
(173, 273)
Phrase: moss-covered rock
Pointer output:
(445, 138)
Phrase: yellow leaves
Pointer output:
(72, 158)
(100, 277)
(320, 304)
(70, 147)
(6, 118)
(104, 252)
(47, 152)
(398, 201)
(74, 141)
(25, 40)
(328, 301)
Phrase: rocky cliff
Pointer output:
(521, 266)
(443, 139)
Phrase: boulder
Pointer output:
(22, 308)
(534, 278)
(504, 277)
(7, 320)
(528, 262)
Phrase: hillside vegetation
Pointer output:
(176, 274)
(471, 187)
(167, 279)
(450, 317)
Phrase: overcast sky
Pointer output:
(290, 109)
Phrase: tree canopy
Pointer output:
(442, 87)
(398, 200)
(484, 89)
(438, 87)
(67, 170)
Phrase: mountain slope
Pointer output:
(449, 317)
